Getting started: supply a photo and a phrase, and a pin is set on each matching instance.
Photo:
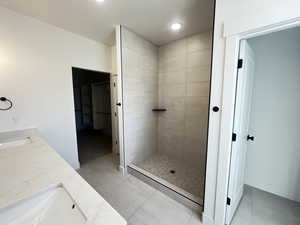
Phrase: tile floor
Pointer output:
(185, 177)
(136, 201)
(262, 208)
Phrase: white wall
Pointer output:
(35, 73)
(184, 74)
(273, 159)
(238, 16)
(114, 59)
(140, 96)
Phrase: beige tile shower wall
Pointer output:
(140, 92)
(184, 73)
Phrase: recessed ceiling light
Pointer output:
(99, 0)
(176, 26)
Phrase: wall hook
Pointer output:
(10, 104)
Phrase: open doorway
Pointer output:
(94, 121)
(264, 180)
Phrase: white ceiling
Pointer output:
(149, 18)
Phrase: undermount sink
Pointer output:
(51, 207)
(15, 143)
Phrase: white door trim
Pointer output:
(122, 166)
(228, 96)
(114, 113)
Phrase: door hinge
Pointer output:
(234, 136)
(240, 63)
(115, 114)
(114, 84)
(250, 138)
(228, 202)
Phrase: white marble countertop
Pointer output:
(28, 169)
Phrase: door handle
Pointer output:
(119, 104)
(250, 138)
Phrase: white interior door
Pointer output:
(240, 128)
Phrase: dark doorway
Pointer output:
(92, 99)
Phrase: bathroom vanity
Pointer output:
(39, 187)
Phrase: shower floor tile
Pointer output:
(176, 172)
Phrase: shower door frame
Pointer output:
(120, 111)
(124, 166)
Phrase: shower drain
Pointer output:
(172, 171)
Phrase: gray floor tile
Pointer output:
(262, 208)
(126, 200)
(136, 201)
(134, 220)
(161, 210)
(196, 219)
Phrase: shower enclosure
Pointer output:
(165, 108)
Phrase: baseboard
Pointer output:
(76, 166)
(122, 170)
